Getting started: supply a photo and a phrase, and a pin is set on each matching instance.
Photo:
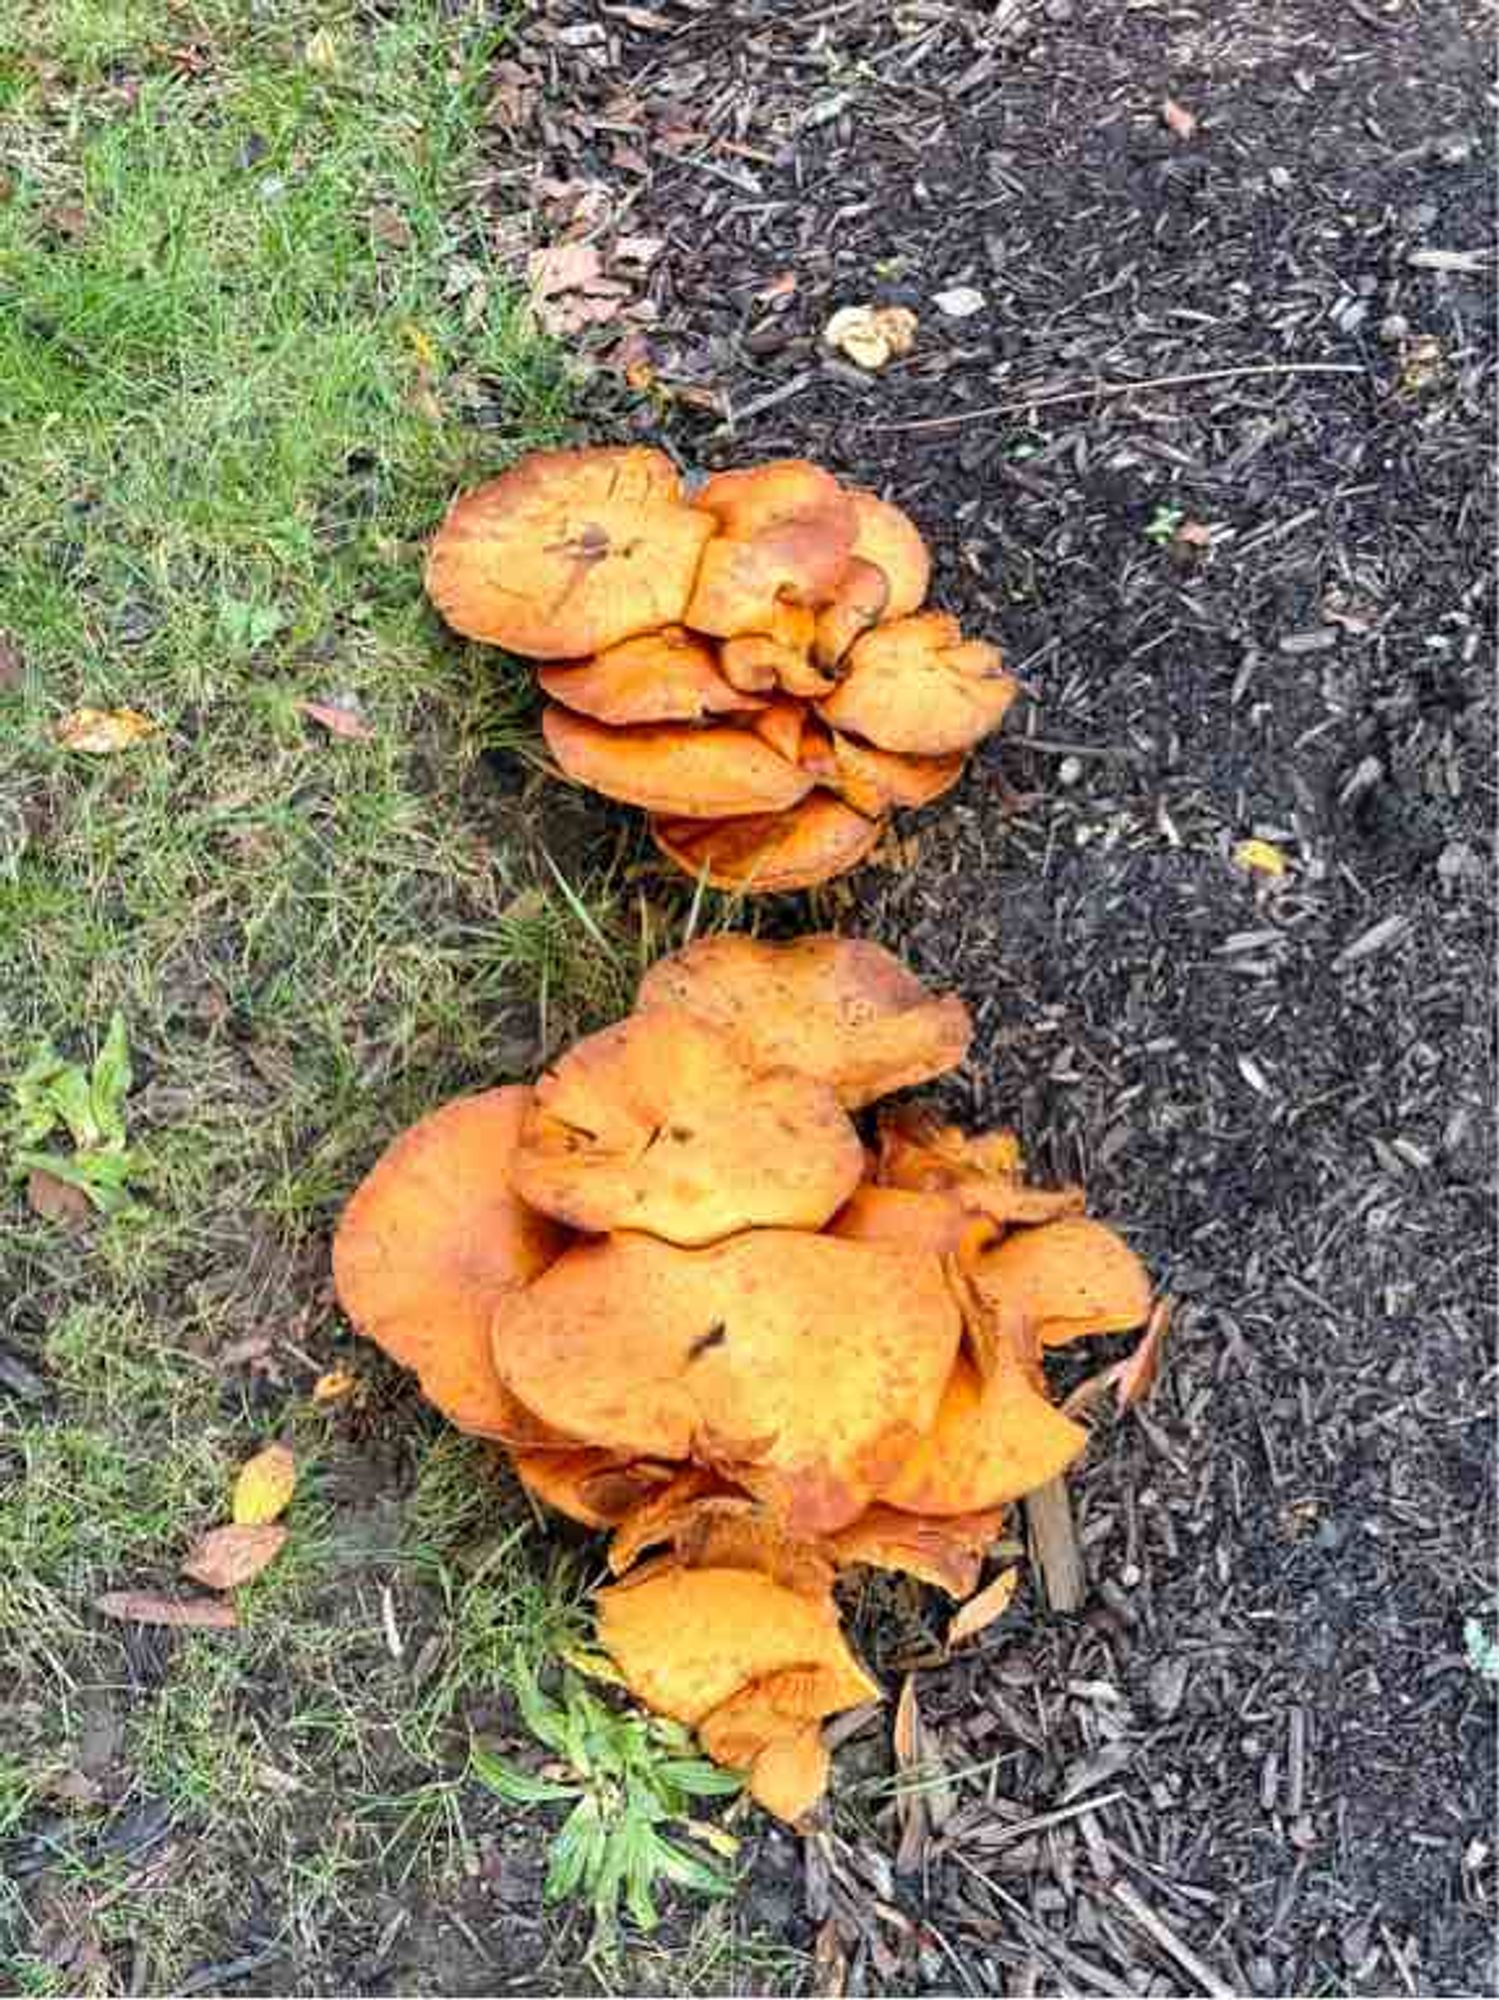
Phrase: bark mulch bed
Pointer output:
(1258, 1756)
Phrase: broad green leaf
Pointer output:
(110, 1082)
(689, 1870)
(541, 1718)
(520, 1788)
(700, 1779)
(575, 1852)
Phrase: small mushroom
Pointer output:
(770, 853)
(785, 532)
(994, 1439)
(665, 676)
(802, 1368)
(597, 1488)
(660, 1123)
(569, 552)
(672, 767)
(981, 1170)
(917, 686)
(1069, 1278)
(843, 1010)
(433, 1242)
(872, 781)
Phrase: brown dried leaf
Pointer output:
(389, 226)
(334, 1386)
(68, 219)
(1131, 1379)
(563, 267)
(55, 1200)
(980, 1612)
(264, 1486)
(1178, 120)
(337, 718)
(224, 1558)
(100, 732)
(144, 1607)
(907, 1741)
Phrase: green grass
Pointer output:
(251, 338)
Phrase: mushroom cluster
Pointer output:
(751, 665)
(698, 1311)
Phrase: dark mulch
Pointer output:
(1284, 1089)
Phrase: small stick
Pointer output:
(1056, 749)
(1136, 1907)
(1054, 1551)
(1102, 390)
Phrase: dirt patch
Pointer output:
(1281, 1083)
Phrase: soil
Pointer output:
(1281, 1085)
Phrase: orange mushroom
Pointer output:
(994, 1439)
(1069, 1278)
(917, 686)
(597, 1488)
(801, 1367)
(886, 577)
(433, 1242)
(981, 1170)
(687, 1640)
(665, 676)
(843, 1010)
(923, 1219)
(659, 1123)
(872, 781)
(770, 853)
(755, 661)
(780, 724)
(672, 767)
(945, 1550)
(569, 552)
(785, 532)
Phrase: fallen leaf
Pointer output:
(563, 267)
(420, 343)
(1178, 120)
(68, 219)
(389, 226)
(12, 667)
(871, 335)
(959, 302)
(226, 1557)
(144, 1607)
(322, 52)
(56, 1200)
(1131, 1379)
(100, 732)
(337, 718)
(910, 1801)
(334, 1385)
(74, 1788)
(264, 1486)
(829, 1963)
(981, 1611)
(1261, 856)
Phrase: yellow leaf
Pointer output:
(981, 1611)
(100, 732)
(335, 1385)
(264, 1486)
(1262, 855)
(718, 1838)
(322, 52)
(421, 344)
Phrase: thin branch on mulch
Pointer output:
(1100, 390)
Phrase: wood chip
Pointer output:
(1053, 1545)
(982, 1609)
(1370, 943)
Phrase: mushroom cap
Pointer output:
(568, 552)
(803, 1368)
(947, 1550)
(858, 604)
(790, 1775)
(769, 854)
(780, 724)
(598, 1488)
(673, 767)
(917, 686)
(872, 781)
(887, 537)
(686, 1640)
(981, 1170)
(659, 1516)
(665, 676)
(924, 1220)
(659, 1123)
(1069, 1278)
(994, 1439)
(431, 1244)
(754, 660)
(785, 531)
(843, 1010)
(721, 1530)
